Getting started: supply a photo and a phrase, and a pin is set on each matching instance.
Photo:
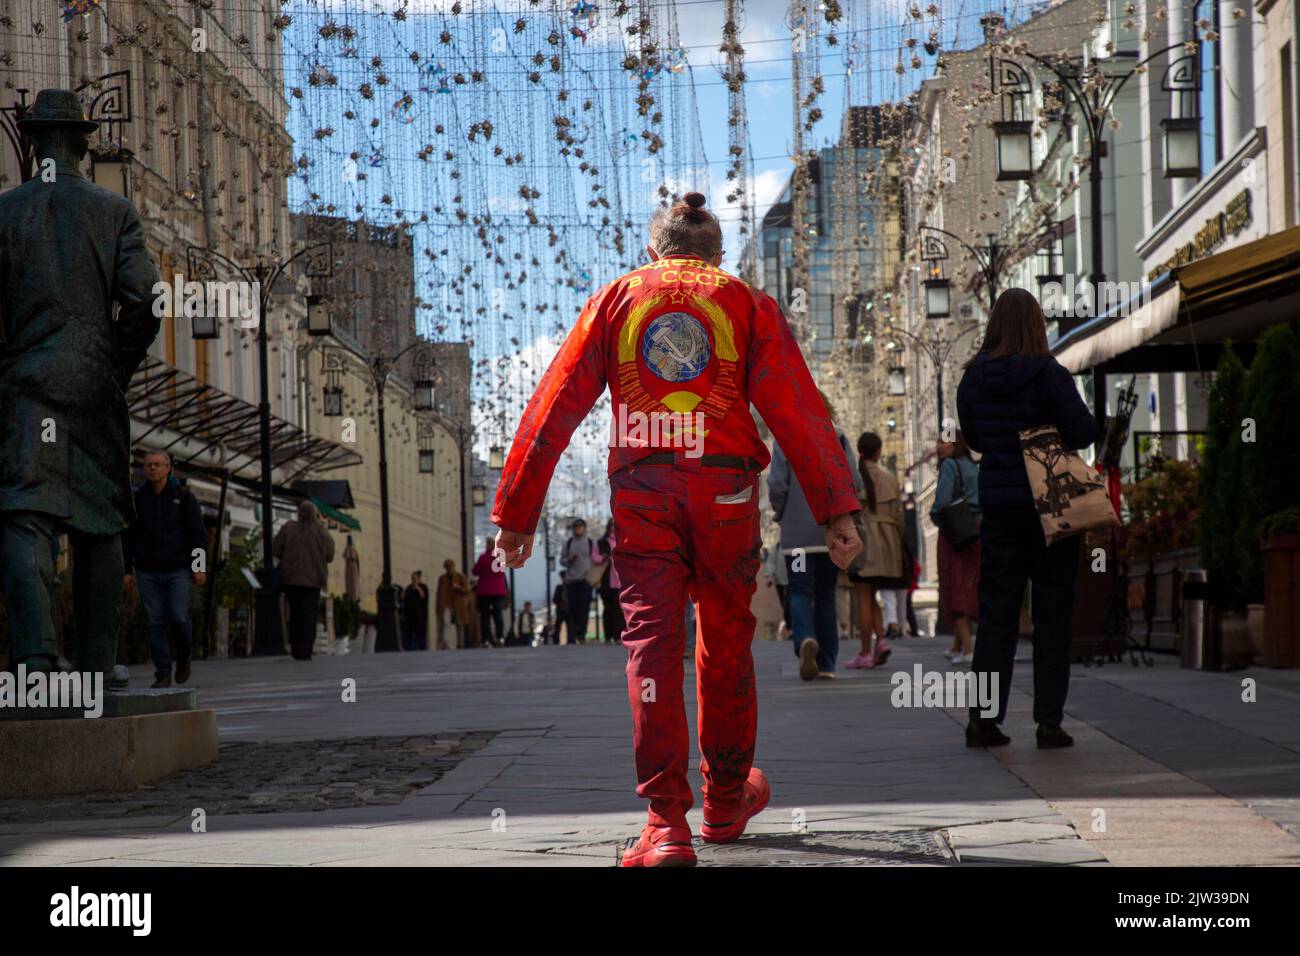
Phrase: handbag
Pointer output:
(957, 519)
(1069, 495)
(596, 572)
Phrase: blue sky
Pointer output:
(398, 79)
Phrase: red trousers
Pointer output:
(677, 535)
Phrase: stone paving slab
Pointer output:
(855, 781)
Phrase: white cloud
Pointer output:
(765, 188)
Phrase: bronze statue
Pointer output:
(69, 250)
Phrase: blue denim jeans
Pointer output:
(812, 606)
(166, 599)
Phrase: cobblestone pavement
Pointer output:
(522, 757)
(269, 777)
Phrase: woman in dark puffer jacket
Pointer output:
(1014, 383)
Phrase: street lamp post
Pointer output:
(991, 259)
(937, 351)
(107, 101)
(385, 598)
(497, 463)
(1094, 91)
(201, 264)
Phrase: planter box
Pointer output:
(1281, 600)
(1255, 625)
(1093, 593)
(1234, 650)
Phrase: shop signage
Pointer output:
(1212, 234)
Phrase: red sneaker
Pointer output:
(757, 794)
(660, 846)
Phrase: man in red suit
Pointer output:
(684, 348)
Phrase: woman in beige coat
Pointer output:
(882, 521)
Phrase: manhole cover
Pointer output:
(831, 848)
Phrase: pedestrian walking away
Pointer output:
(451, 606)
(490, 591)
(611, 608)
(526, 629)
(576, 560)
(885, 566)
(811, 574)
(159, 552)
(1013, 383)
(959, 560)
(415, 614)
(304, 549)
(694, 346)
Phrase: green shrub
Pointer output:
(1281, 522)
(347, 616)
(1220, 478)
(1270, 465)
(1162, 510)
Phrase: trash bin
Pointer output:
(1200, 636)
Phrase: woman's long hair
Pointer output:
(869, 445)
(1016, 327)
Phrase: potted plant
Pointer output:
(234, 595)
(1219, 492)
(347, 617)
(1280, 543)
(1269, 440)
(1160, 539)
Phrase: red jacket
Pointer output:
(684, 341)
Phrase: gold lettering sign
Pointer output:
(1235, 217)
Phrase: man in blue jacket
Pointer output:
(162, 551)
(811, 573)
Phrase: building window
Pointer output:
(1288, 138)
(1211, 100)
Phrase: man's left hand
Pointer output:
(517, 547)
(842, 540)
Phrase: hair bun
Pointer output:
(694, 200)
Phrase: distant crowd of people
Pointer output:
(989, 545)
(885, 574)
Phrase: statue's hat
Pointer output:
(56, 108)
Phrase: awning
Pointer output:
(1103, 338)
(1256, 270)
(335, 515)
(334, 492)
(199, 423)
(1234, 294)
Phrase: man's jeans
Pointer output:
(812, 606)
(166, 599)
